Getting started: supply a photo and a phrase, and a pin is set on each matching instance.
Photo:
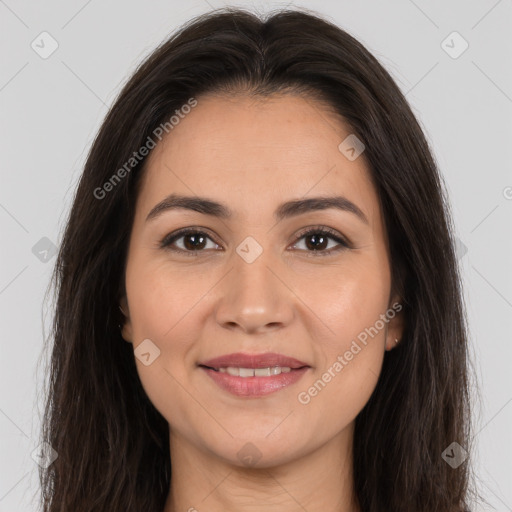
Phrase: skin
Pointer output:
(252, 155)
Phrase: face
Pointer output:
(255, 282)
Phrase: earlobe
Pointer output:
(396, 324)
(126, 327)
(392, 345)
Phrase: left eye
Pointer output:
(318, 238)
(194, 241)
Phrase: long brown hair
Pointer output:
(112, 444)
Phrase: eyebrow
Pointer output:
(284, 211)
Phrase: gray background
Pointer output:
(51, 109)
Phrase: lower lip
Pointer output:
(255, 386)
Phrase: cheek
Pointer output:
(348, 299)
(161, 297)
(161, 304)
(350, 352)
(338, 392)
(343, 383)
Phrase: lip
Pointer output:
(242, 360)
(254, 386)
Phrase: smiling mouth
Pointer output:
(254, 382)
(253, 372)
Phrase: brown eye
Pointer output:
(317, 241)
(194, 241)
(188, 241)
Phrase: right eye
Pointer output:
(194, 241)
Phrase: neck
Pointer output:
(321, 480)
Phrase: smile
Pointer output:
(254, 382)
(254, 372)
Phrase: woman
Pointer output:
(258, 300)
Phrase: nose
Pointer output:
(255, 297)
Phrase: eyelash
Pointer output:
(166, 242)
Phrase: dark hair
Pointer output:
(112, 444)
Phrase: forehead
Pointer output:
(253, 152)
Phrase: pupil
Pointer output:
(317, 241)
(195, 237)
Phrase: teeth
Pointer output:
(255, 372)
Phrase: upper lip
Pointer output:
(241, 360)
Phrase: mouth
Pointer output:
(254, 361)
(253, 372)
(254, 375)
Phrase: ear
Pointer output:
(396, 324)
(126, 329)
